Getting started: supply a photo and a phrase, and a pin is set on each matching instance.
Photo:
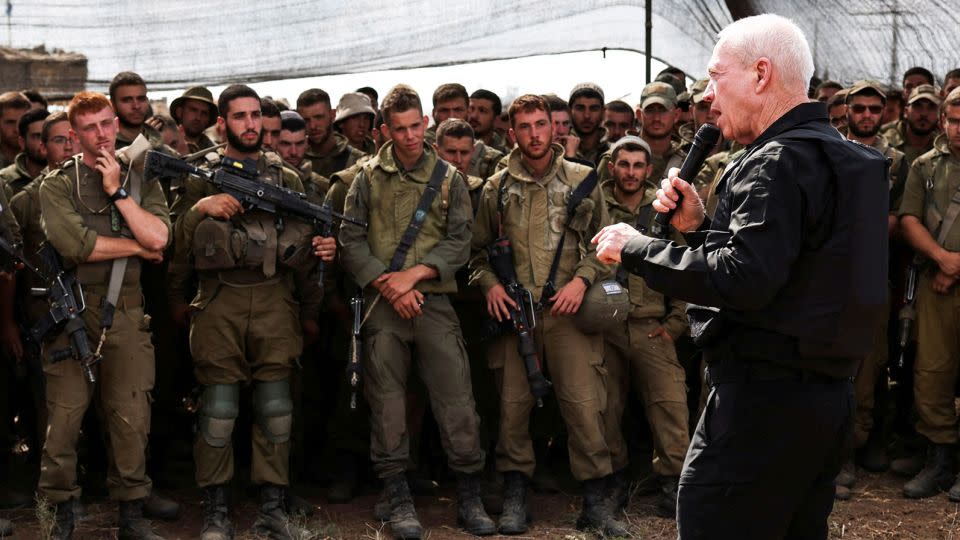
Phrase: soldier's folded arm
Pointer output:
(356, 257)
(453, 251)
(149, 221)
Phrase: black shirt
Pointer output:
(753, 265)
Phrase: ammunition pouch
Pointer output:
(244, 242)
(294, 247)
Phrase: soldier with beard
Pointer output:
(246, 325)
(449, 101)
(195, 111)
(586, 111)
(914, 134)
(12, 107)
(485, 107)
(618, 120)
(128, 94)
(328, 151)
(291, 145)
(31, 160)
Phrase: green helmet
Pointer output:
(605, 304)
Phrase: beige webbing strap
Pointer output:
(949, 218)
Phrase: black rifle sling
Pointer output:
(419, 216)
(581, 192)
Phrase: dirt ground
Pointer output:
(877, 511)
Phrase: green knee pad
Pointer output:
(274, 409)
(220, 406)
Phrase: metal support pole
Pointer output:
(648, 25)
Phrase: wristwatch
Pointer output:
(120, 193)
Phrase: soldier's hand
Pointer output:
(221, 205)
(154, 122)
(10, 338)
(498, 301)
(610, 241)
(110, 171)
(325, 248)
(942, 283)
(691, 213)
(568, 299)
(661, 332)
(152, 256)
(409, 305)
(949, 263)
(571, 144)
(393, 285)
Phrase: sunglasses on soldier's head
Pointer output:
(859, 108)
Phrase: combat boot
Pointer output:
(133, 526)
(403, 517)
(618, 489)
(597, 513)
(157, 507)
(515, 518)
(907, 466)
(667, 497)
(272, 519)
(63, 521)
(874, 457)
(216, 522)
(936, 476)
(6, 528)
(954, 493)
(470, 512)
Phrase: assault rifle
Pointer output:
(353, 363)
(239, 179)
(908, 313)
(523, 318)
(11, 259)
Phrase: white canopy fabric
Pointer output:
(176, 43)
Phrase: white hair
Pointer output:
(777, 38)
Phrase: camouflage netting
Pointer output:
(177, 42)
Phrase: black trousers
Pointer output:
(764, 455)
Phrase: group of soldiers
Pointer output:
(463, 264)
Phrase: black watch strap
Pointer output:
(120, 193)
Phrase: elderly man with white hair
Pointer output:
(785, 283)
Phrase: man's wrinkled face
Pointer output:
(33, 144)
(922, 116)
(243, 125)
(864, 113)
(630, 170)
(534, 133)
(131, 104)
(838, 116)
(9, 135)
(59, 145)
(96, 131)
(617, 124)
(406, 129)
(481, 116)
(194, 117)
(731, 94)
(292, 145)
(271, 131)
(658, 121)
(456, 151)
(319, 118)
(356, 128)
(950, 120)
(451, 108)
(911, 82)
(586, 113)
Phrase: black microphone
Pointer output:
(704, 141)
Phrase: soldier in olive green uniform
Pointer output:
(327, 150)
(89, 218)
(408, 309)
(450, 100)
(291, 146)
(354, 120)
(658, 103)
(195, 111)
(536, 185)
(10, 232)
(482, 113)
(28, 163)
(586, 112)
(246, 325)
(928, 216)
(640, 351)
(914, 134)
